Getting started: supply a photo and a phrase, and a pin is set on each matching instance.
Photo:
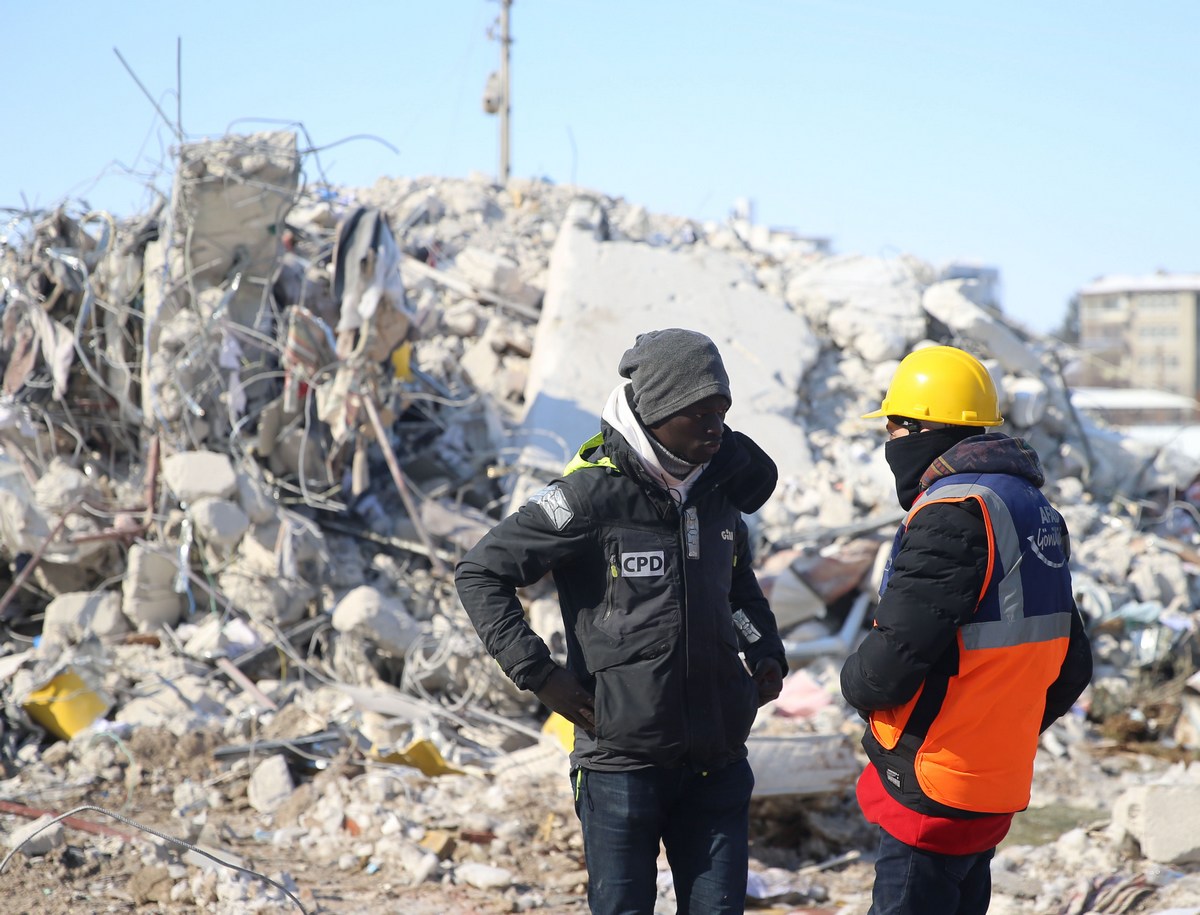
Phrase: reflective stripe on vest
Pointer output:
(1012, 627)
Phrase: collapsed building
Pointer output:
(245, 436)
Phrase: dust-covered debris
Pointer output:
(244, 437)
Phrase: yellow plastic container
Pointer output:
(65, 705)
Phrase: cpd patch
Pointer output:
(643, 565)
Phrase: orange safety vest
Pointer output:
(964, 744)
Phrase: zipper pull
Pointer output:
(615, 572)
(691, 532)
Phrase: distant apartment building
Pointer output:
(1142, 332)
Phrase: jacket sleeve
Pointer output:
(936, 581)
(760, 639)
(545, 532)
(1075, 675)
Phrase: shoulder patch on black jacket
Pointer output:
(553, 501)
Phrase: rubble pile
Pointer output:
(244, 437)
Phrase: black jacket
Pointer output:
(650, 593)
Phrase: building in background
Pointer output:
(1147, 415)
(1141, 331)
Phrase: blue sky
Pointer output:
(1056, 141)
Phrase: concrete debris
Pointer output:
(38, 838)
(801, 765)
(367, 614)
(192, 475)
(244, 437)
(1159, 817)
(149, 597)
(70, 618)
(270, 785)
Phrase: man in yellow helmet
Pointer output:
(977, 645)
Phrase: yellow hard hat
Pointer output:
(942, 384)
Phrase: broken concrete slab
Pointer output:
(220, 523)
(869, 305)
(37, 838)
(270, 784)
(1161, 818)
(75, 616)
(802, 765)
(183, 704)
(367, 613)
(601, 294)
(191, 475)
(149, 597)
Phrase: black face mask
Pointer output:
(910, 456)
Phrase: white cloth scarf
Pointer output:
(618, 414)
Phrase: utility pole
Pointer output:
(506, 109)
(497, 93)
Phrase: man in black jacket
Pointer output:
(977, 645)
(671, 646)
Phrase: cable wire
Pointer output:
(161, 835)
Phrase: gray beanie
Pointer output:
(672, 369)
